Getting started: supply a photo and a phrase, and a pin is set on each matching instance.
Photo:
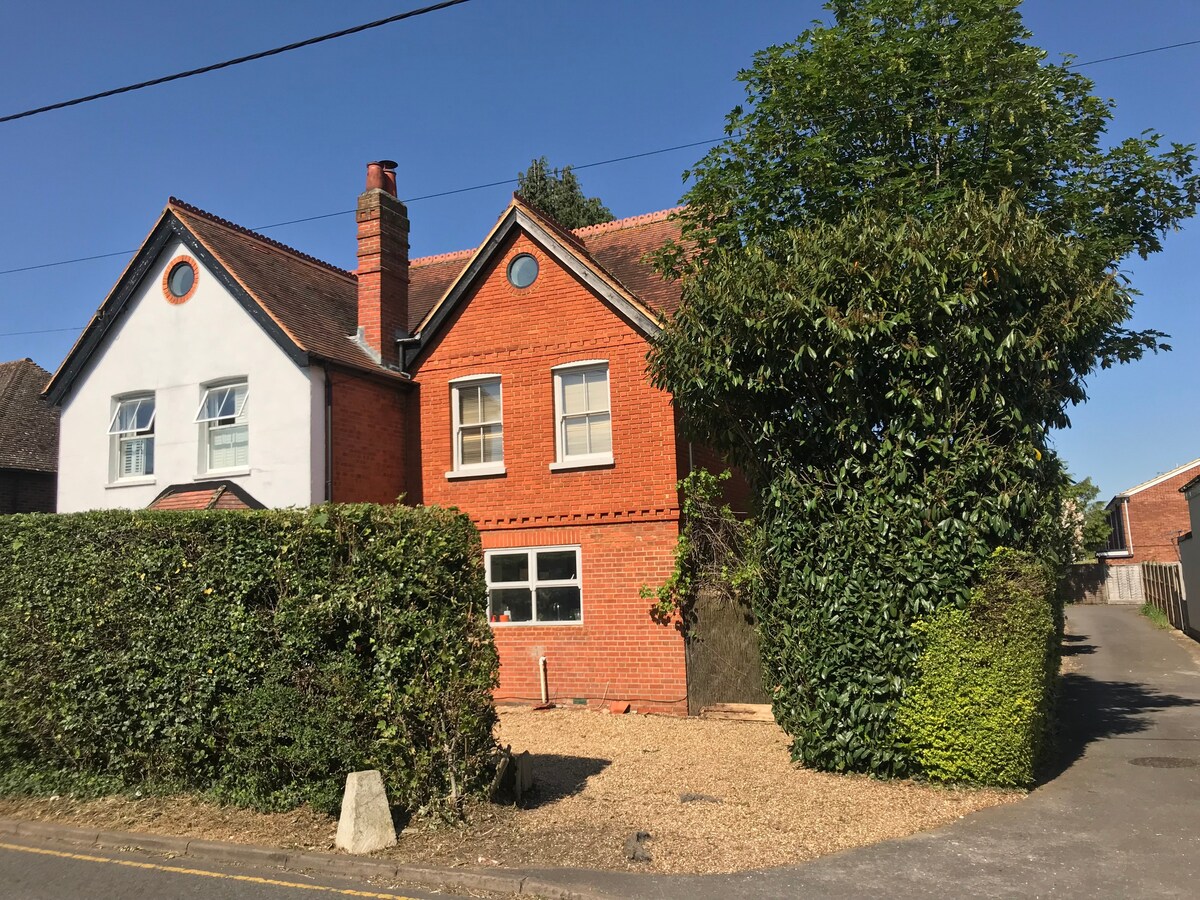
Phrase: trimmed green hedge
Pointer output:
(980, 707)
(256, 656)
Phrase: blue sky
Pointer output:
(467, 96)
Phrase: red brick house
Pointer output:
(508, 380)
(1147, 520)
(28, 440)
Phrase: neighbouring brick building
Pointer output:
(1147, 520)
(28, 440)
(508, 381)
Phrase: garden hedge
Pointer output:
(254, 656)
(980, 707)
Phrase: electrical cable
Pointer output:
(40, 331)
(213, 67)
(346, 212)
(1104, 59)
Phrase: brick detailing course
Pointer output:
(368, 425)
(624, 516)
(1158, 516)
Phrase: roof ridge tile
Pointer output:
(628, 222)
(442, 257)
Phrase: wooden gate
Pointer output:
(723, 661)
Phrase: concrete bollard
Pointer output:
(365, 824)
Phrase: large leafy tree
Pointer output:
(900, 269)
(904, 103)
(558, 194)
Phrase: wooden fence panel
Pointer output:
(1163, 585)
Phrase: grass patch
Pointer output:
(1155, 615)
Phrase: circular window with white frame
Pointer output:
(522, 270)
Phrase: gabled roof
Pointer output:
(28, 423)
(313, 302)
(618, 247)
(310, 307)
(1158, 479)
(622, 245)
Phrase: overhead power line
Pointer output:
(263, 54)
(463, 190)
(39, 331)
(346, 212)
(1104, 59)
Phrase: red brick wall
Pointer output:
(369, 439)
(521, 335)
(22, 491)
(623, 516)
(617, 653)
(1157, 516)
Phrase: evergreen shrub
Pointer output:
(254, 656)
(980, 707)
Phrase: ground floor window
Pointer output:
(540, 584)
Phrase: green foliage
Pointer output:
(1156, 616)
(887, 383)
(1087, 519)
(558, 194)
(899, 273)
(257, 656)
(715, 550)
(903, 103)
(980, 707)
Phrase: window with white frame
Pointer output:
(541, 584)
(132, 432)
(478, 425)
(583, 419)
(224, 427)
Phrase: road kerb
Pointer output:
(311, 862)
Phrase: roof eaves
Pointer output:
(1158, 479)
(570, 252)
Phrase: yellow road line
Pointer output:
(179, 870)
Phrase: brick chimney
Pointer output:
(382, 263)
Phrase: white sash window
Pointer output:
(132, 431)
(224, 427)
(583, 433)
(477, 412)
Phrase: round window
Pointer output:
(522, 271)
(181, 279)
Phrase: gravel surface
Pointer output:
(714, 796)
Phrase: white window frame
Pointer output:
(579, 460)
(120, 437)
(210, 424)
(532, 583)
(473, 470)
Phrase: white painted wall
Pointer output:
(174, 350)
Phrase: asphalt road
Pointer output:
(32, 870)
